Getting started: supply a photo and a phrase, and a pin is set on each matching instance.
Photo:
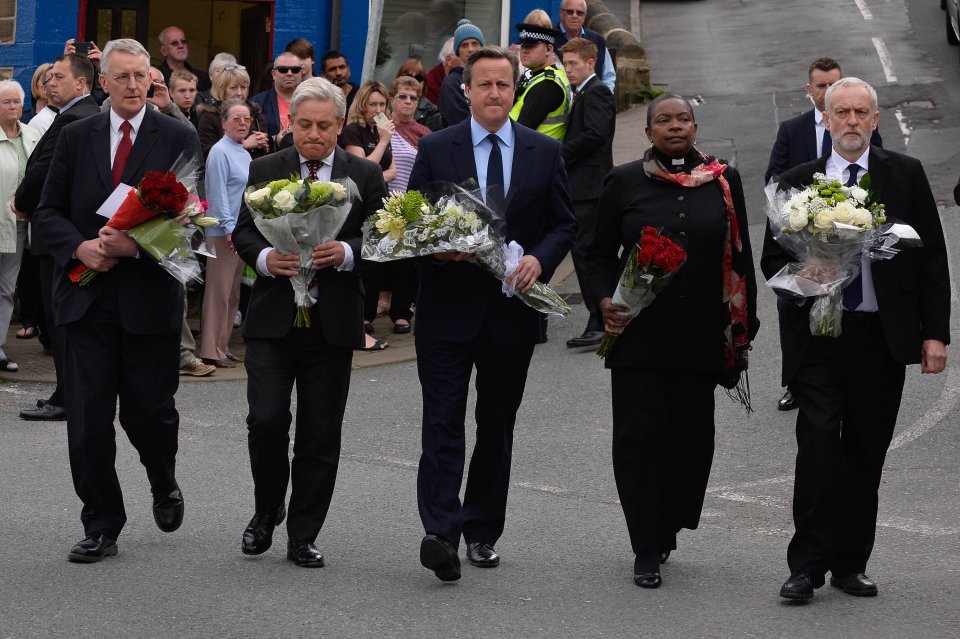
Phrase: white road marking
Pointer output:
(904, 127)
(864, 10)
(913, 526)
(884, 54)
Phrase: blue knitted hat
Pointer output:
(465, 31)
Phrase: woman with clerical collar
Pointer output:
(668, 361)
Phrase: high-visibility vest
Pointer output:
(555, 124)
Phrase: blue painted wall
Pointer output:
(310, 20)
(42, 28)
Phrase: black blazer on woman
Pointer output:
(683, 327)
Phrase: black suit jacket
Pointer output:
(339, 308)
(29, 190)
(913, 288)
(267, 101)
(150, 300)
(797, 143)
(588, 143)
(457, 298)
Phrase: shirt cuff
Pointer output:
(262, 262)
(347, 258)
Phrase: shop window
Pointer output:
(8, 21)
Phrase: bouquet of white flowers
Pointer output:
(826, 227)
(296, 215)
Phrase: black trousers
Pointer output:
(445, 369)
(848, 390)
(29, 293)
(399, 277)
(104, 362)
(321, 373)
(586, 212)
(54, 332)
(663, 430)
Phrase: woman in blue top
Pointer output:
(227, 167)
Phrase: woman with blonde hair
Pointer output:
(41, 115)
(232, 82)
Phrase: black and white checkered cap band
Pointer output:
(533, 35)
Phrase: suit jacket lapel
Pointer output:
(521, 170)
(879, 170)
(147, 138)
(811, 140)
(100, 145)
(462, 156)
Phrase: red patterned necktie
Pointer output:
(123, 152)
(313, 166)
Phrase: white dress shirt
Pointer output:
(839, 169)
(820, 128)
(323, 175)
(116, 134)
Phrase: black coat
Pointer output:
(339, 310)
(588, 143)
(913, 288)
(683, 328)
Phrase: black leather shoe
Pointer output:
(856, 584)
(482, 555)
(437, 554)
(589, 338)
(45, 413)
(92, 549)
(787, 402)
(648, 580)
(258, 536)
(304, 554)
(168, 510)
(664, 555)
(798, 587)
(646, 570)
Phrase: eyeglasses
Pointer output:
(59, 77)
(285, 69)
(417, 76)
(245, 119)
(573, 12)
(177, 43)
(404, 97)
(124, 78)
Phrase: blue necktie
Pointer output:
(827, 143)
(495, 195)
(853, 293)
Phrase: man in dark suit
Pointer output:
(464, 320)
(803, 138)
(588, 156)
(68, 89)
(318, 359)
(275, 102)
(896, 313)
(122, 331)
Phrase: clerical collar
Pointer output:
(678, 165)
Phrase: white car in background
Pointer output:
(952, 19)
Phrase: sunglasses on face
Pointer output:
(574, 12)
(403, 97)
(417, 76)
(284, 69)
(177, 43)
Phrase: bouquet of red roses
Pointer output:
(160, 215)
(652, 262)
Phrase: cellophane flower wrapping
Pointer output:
(162, 215)
(294, 216)
(408, 226)
(653, 261)
(826, 227)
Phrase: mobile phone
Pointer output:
(83, 48)
(381, 120)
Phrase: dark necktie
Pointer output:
(123, 152)
(495, 195)
(313, 166)
(853, 293)
(827, 143)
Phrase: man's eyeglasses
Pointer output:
(177, 43)
(284, 69)
(238, 119)
(416, 76)
(404, 97)
(573, 12)
(124, 78)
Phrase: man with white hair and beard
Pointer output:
(848, 388)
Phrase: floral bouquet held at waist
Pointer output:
(161, 215)
(296, 215)
(827, 227)
(651, 264)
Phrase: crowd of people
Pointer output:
(534, 130)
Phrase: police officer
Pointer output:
(543, 101)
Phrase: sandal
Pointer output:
(8, 367)
(376, 346)
(28, 332)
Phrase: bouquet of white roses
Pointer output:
(827, 227)
(408, 225)
(296, 215)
